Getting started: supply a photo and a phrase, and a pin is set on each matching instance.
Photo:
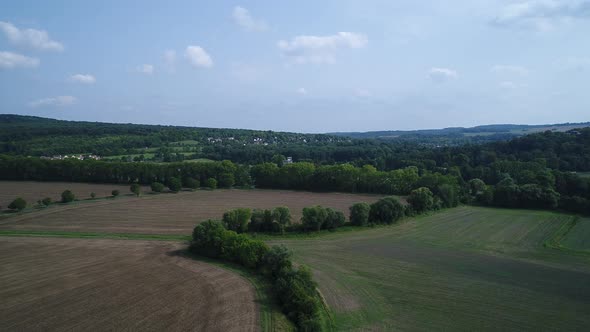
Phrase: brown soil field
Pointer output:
(33, 191)
(51, 284)
(171, 213)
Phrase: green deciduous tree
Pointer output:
(237, 219)
(386, 211)
(421, 199)
(67, 196)
(135, 188)
(18, 204)
(157, 187)
(359, 214)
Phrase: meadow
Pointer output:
(466, 268)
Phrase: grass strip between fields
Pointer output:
(556, 241)
(87, 235)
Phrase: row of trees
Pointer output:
(294, 288)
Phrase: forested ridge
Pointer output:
(533, 171)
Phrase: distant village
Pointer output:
(73, 156)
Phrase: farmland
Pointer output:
(462, 269)
(32, 191)
(170, 213)
(74, 284)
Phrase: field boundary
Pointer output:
(560, 234)
(90, 235)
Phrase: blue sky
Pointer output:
(306, 66)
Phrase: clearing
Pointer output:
(105, 285)
(466, 268)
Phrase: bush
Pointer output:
(93, 195)
(421, 199)
(359, 214)
(115, 193)
(237, 219)
(334, 219)
(226, 180)
(157, 187)
(46, 201)
(386, 211)
(18, 204)
(67, 196)
(192, 183)
(135, 188)
(314, 218)
(211, 183)
(174, 184)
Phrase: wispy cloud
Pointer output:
(38, 39)
(198, 57)
(541, 14)
(320, 49)
(82, 78)
(439, 75)
(243, 18)
(145, 69)
(53, 101)
(9, 60)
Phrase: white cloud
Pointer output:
(442, 74)
(320, 49)
(82, 78)
(243, 18)
(145, 69)
(9, 60)
(542, 14)
(197, 56)
(38, 39)
(54, 101)
(302, 91)
(170, 59)
(509, 70)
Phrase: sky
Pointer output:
(303, 66)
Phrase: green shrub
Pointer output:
(18, 204)
(115, 193)
(386, 211)
(211, 183)
(67, 196)
(46, 201)
(157, 187)
(192, 183)
(135, 188)
(174, 184)
(421, 199)
(359, 214)
(237, 219)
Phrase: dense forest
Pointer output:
(532, 171)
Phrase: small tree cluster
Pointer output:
(272, 221)
(157, 187)
(316, 218)
(386, 211)
(237, 219)
(135, 189)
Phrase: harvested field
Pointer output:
(106, 285)
(171, 213)
(468, 268)
(33, 191)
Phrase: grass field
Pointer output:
(33, 191)
(169, 213)
(578, 238)
(467, 269)
(104, 285)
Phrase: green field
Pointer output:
(462, 269)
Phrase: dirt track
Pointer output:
(103, 285)
(171, 213)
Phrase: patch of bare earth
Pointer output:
(51, 284)
(172, 213)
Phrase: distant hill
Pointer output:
(461, 135)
